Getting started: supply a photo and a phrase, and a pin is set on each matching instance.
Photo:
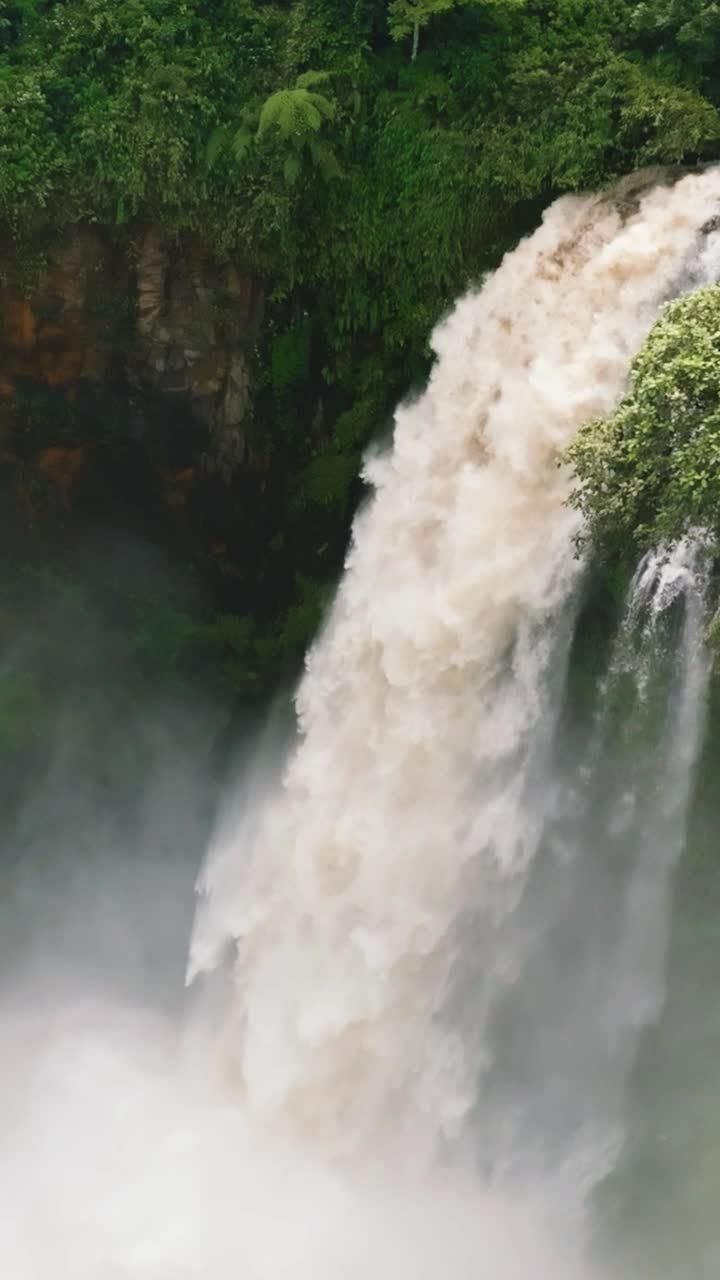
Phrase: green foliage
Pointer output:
(290, 357)
(327, 479)
(651, 470)
(292, 117)
(713, 632)
(296, 116)
(364, 196)
(694, 25)
(31, 157)
(296, 113)
(170, 109)
(408, 17)
(248, 653)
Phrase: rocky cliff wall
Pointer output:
(109, 336)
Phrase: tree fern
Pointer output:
(296, 116)
(295, 113)
(293, 116)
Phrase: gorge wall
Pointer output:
(108, 344)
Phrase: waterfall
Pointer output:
(414, 795)
(431, 933)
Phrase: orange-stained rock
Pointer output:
(53, 334)
(61, 282)
(61, 465)
(176, 486)
(59, 366)
(19, 323)
(162, 317)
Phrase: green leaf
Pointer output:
(292, 166)
(216, 144)
(241, 142)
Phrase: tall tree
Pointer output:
(407, 17)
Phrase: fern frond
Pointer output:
(216, 143)
(294, 113)
(324, 105)
(310, 78)
(241, 142)
(323, 157)
(292, 167)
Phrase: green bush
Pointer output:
(651, 470)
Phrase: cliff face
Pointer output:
(149, 411)
(195, 331)
(148, 344)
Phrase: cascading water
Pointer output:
(447, 939)
(425, 709)
(585, 948)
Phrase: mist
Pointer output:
(126, 1148)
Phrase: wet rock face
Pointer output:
(155, 317)
(196, 328)
(56, 332)
(126, 393)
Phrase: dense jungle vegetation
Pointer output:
(367, 184)
(368, 161)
